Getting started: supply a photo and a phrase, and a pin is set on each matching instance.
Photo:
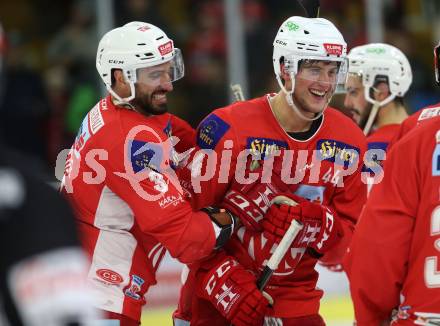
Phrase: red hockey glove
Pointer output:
(321, 230)
(250, 202)
(233, 292)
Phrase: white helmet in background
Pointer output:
(378, 61)
(133, 46)
(437, 63)
(301, 38)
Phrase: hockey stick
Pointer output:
(283, 246)
(311, 7)
(371, 118)
(281, 249)
(238, 92)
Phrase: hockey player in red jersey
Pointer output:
(393, 258)
(379, 76)
(119, 176)
(424, 114)
(326, 149)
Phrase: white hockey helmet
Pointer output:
(437, 63)
(301, 38)
(379, 60)
(132, 46)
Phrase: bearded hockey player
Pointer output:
(120, 179)
(322, 150)
(378, 78)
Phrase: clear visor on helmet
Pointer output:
(332, 72)
(437, 63)
(166, 72)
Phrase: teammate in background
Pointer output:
(309, 58)
(393, 258)
(425, 113)
(42, 267)
(379, 76)
(399, 225)
(120, 176)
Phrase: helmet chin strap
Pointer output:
(289, 99)
(376, 106)
(126, 100)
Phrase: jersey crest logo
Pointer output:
(337, 152)
(211, 131)
(264, 146)
(144, 154)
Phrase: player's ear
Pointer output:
(381, 91)
(119, 76)
(285, 75)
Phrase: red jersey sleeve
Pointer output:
(137, 173)
(382, 239)
(185, 132)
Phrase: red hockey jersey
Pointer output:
(381, 137)
(128, 204)
(393, 257)
(331, 176)
(378, 144)
(415, 119)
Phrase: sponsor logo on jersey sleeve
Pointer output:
(429, 113)
(145, 154)
(95, 119)
(134, 287)
(83, 135)
(264, 146)
(211, 131)
(313, 193)
(371, 157)
(337, 152)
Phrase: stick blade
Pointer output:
(311, 7)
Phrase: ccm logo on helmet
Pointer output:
(109, 276)
(335, 49)
(166, 48)
(281, 42)
(118, 62)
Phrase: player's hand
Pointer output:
(250, 202)
(321, 230)
(233, 292)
